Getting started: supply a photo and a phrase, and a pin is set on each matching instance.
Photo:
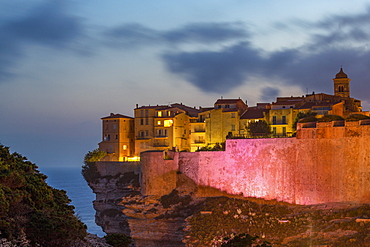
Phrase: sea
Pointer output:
(71, 180)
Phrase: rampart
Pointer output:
(112, 168)
(326, 162)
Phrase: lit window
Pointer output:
(168, 123)
(159, 122)
(160, 114)
(124, 147)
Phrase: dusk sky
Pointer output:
(65, 64)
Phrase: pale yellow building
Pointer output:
(117, 137)
(223, 120)
(165, 127)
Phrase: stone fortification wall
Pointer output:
(324, 164)
(112, 168)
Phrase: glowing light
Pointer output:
(168, 123)
(134, 158)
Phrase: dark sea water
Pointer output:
(71, 180)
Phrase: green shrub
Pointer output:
(118, 240)
(29, 205)
(356, 117)
(329, 118)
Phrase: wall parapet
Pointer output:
(295, 170)
(113, 168)
(333, 129)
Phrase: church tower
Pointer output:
(341, 84)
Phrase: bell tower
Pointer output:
(341, 84)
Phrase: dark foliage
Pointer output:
(28, 205)
(259, 129)
(174, 198)
(304, 117)
(89, 170)
(356, 117)
(118, 240)
(329, 118)
(245, 240)
(216, 147)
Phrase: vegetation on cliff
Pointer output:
(226, 221)
(31, 209)
(89, 170)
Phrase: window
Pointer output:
(159, 114)
(146, 133)
(114, 126)
(274, 130)
(284, 119)
(124, 147)
(146, 113)
(146, 121)
(233, 115)
(284, 131)
(168, 113)
(116, 137)
(227, 106)
(142, 121)
(167, 123)
(159, 122)
(232, 127)
(273, 119)
(141, 113)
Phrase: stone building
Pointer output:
(117, 137)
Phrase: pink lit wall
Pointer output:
(302, 171)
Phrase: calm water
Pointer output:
(71, 180)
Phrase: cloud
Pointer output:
(47, 25)
(216, 71)
(206, 32)
(269, 94)
(200, 33)
(311, 66)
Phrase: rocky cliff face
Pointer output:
(120, 208)
(201, 216)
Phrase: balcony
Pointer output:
(161, 136)
(142, 138)
(199, 130)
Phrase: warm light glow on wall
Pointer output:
(134, 158)
(168, 123)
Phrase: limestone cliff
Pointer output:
(185, 217)
(120, 208)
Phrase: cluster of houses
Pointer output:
(183, 128)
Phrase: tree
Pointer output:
(89, 170)
(94, 156)
(28, 205)
(304, 117)
(259, 128)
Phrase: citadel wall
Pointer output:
(329, 162)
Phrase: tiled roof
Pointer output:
(312, 104)
(253, 113)
(112, 115)
(227, 101)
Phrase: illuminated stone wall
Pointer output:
(329, 164)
